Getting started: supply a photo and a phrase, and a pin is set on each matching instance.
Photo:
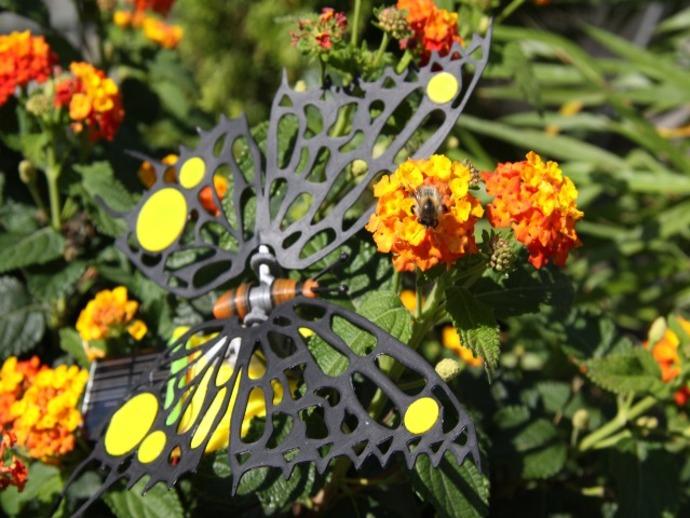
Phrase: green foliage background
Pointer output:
(574, 420)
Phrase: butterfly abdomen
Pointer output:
(239, 301)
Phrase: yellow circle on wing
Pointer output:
(130, 424)
(442, 87)
(421, 415)
(161, 219)
(151, 447)
(192, 172)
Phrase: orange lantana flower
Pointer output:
(44, 413)
(451, 340)
(23, 58)
(93, 101)
(425, 214)
(108, 314)
(538, 202)
(13, 471)
(434, 29)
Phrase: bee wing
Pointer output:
(317, 393)
(194, 228)
(162, 429)
(326, 146)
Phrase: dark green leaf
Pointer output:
(71, 343)
(43, 486)
(475, 323)
(53, 284)
(630, 371)
(454, 490)
(541, 450)
(21, 320)
(19, 250)
(159, 502)
(521, 69)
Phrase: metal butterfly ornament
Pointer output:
(289, 204)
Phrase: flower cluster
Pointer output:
(666, 353)
(13, 471)
(320, 34)
(538, 202)
(43, 413)
(23, 58)
(450, 338)
(425, 214)
(93, 101)
(108, 315)
(153, 27)
(434, 29)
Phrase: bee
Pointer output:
(428, 205)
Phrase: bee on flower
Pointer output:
(425, 214)
(92, 99)
(538, 202)
(23, 58)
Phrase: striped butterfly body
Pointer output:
(241, 213)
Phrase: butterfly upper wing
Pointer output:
(317, 410)
(316, 179)
(194, 229)
(181, 405)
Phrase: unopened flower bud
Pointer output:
(27, 171)
(39, 104)
(649, 422)
(359, 167)
(657, 330)
(453, 142)
(448, 369)
(581, 419)
(394, 22)
(501, 254)
(300, 86)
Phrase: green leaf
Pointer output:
(454, 490)
(646, 479)
(71, 343)
(542, 452)
(521, 69)
(554, 395)
(20, 250)
(158, 502)
(53, 284)
(18, 218)
(630, 371)
(43, 485)
(476, 324)
(511, 416)
(21, 321)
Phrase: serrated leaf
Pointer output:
(21, 320)
(554, 395)
(453, 490)
(158, 502)
(525, 290)
(476, 324)
(629, 371)
(511, 416)
(18, 218)
(19, 250)
(521, 67)
(54, 284)
(542, 452)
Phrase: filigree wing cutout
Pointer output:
(180, 409)
(194, 229)
(317, 410)
(342, 140)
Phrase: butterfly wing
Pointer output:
(329, 395)
(343, 138)
(180, 407)
(193, 230)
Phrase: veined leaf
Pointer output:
(476, 324)
(21, 320)
(19, 250)
(630, 371)
(458, 491)
(541, 450)
(158, 502)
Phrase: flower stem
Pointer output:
(355, 23)
(381, 50)
(404, 61)
(54, 196)
(624, 415)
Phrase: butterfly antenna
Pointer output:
(342, 258)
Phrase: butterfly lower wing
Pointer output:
(182, 405)
(318, 402)
(191, 231)
(341, 139)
